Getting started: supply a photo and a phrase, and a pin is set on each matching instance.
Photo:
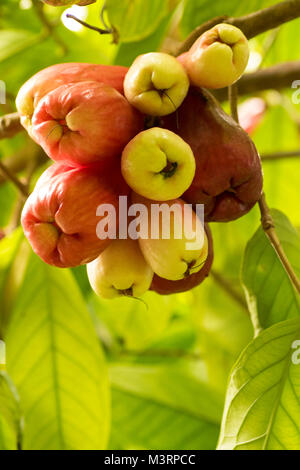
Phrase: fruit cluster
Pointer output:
(150, 133)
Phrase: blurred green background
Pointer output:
(169, 361)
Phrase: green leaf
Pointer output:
(162, 407)
(127, 52)
(13, 42)
(271, 296)
(262, 409)
(136, 19)
(55, 360)
(9, 414)
(196, 13)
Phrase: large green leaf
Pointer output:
(136, 19)
(162, 407)
(262, 410)
(271, 296)
(55, 360)
(9, 414)
(14, 253)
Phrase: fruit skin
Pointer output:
(164, 287)
(59, 218)
(84, 123)
(63, 74)
(120, 270)
(158, 164)
(62, 3)
(169, 257)
(218, 58)
(156, 84)
(228, 176)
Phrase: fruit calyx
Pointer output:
(169, 170)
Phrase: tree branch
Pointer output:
(276, 77)
(280, 156)
(253, 24)
(269, 229)
(10, 125)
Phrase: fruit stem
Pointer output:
(89, 26)
(269, 228)
(267, 221)
(233, 100)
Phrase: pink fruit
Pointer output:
(63, 74)
(84, 122)
(59, 218)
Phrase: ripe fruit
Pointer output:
(120, 270)
(228, 176)
(63, 74)
(218, 58)
(156, 84)
(169, 254)
(165, 287)
(158, 164)
(84, 122)
(59, 218)
(62, 3)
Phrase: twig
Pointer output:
(229, 289)
(10, 125)
(187, 44)
(89, 26)
(11, 177)
(269, 229)
(252, 25)
(233, 100)
(280, 156)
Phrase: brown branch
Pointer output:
(280, 156)
(252, 25)
(229, 289)
(187, 44)
(269, 229)
(276, 77)
(10, 126)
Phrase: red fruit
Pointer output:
(165, 287)
(84, 123)
(228, 176)
(59, 218)
(63, 74)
